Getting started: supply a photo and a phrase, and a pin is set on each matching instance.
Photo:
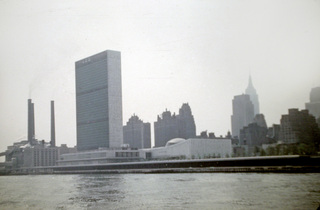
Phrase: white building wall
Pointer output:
(195, 148)
(100, 157)
(201, 148)
(176, 150)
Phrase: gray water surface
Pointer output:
(161, 191)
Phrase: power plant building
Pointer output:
(29, 154)
(99, 101)
(136, 133)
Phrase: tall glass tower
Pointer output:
(99, 101)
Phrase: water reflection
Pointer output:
(97, 190)
(161, 191)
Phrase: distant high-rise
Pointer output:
(136, 133)
(253, 135)
(260, 120)
(165, 128)
(299, 127)
(187, 126)
(242, 113)
(251, 91)
(314, 105)
(99, 101)
(170, 126)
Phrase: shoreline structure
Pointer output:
(265, 164)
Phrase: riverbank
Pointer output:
(266, 164)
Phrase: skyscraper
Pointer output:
(99, 101)
(165, 128)
(136, 133)
(251, 91)
(187, 126)
(314, 105)
(242, 113)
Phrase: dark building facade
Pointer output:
(136, 133)
(99, 101)
(260, 120)
(253, 135)
(273, 133)
(187, 126)
(299, 127)
(170, 126)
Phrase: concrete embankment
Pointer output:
(270, 169)
(267, 164)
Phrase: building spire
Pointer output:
(251, 91)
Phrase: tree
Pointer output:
(271, 151)
(262, 152)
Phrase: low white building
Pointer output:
(193, 149)
(101, 156)
(175, 148)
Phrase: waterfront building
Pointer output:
(299, 127)
(169, 126)
(136, 133)
(177, 148)
(193, 148)
(242, 113)
(314, 105)
(99, 101)
(23, 155)
(40, 155)
(101, 156)
(251, 91)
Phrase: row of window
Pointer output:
(127, 154)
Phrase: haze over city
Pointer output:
(172, 52)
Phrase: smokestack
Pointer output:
(31, 127)
(53, 130)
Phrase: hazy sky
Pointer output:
(200, 52)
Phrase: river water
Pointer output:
(161, 191)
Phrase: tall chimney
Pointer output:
(53, 130)
(31, 127)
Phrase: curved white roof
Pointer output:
(174, 141)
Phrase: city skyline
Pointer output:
(172, 53)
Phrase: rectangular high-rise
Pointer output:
(136, 133)
(242, 113)
(99, 101)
